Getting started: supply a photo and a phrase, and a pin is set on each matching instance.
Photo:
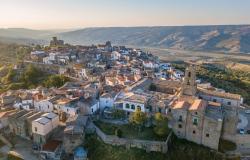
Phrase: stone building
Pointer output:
(230, 104)
(55, 42)
(168, 87)
(74, 133)
(189, 85)
(22, 125)
(203, 116)
(44, 127)
(13, 120)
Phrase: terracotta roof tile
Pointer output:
(51, 145)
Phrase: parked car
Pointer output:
(242, 131)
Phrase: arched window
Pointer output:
(180, 118)
(127, 106)
(139, 108)
(195, 121)
(189, 74)
(132, 106)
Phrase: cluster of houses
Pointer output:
(83, 61)
(107, 77)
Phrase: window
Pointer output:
(214, 100)
(229, 103)
(180, 126)
(150, 108)
(35, 129)
(159, 110)
(193, 131)
(189, 74)
(48, 106)
(127, 106)
(92, 110)
(132, 106)
(188, 83)
(196, 113)
(169, 110)
(139, 108)
(195, 121)
(180, 118)
(207, 135)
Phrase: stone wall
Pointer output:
(156, 146)
(211, 133)
(243, 141)
(71, 141)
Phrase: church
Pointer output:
(203, 116)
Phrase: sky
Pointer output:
(67, 14)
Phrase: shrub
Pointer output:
(225, 145)
(118, 114)
(161, 125)
(118, 132)
(152, 87)
(55, 81)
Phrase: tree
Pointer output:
(55, 81)
(152, 87)
(22, 52)
(38, 47)
(118, 114)
(138, 118)
(9, 78)
(31, 76)
(158, 117)
(161, 125)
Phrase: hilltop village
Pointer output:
(111, 84)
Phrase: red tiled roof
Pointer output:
(51, 145)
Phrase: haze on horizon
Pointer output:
(59, 14)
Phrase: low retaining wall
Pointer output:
(156, 146)
(243, 141)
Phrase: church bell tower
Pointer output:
(189, 86)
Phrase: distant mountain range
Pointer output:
(223, 38)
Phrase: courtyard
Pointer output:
(130, 131)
